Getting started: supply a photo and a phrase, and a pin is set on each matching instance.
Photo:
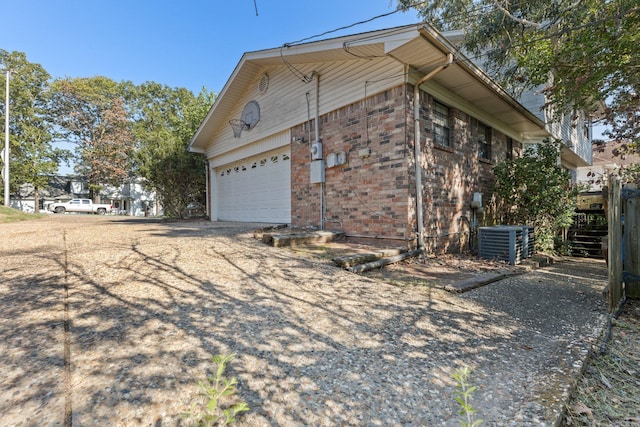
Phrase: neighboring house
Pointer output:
(605, 161)
(131, 198)
(322, 135)
(59, 188)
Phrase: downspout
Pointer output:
(207, 194)
(317, 132)
(416, 146)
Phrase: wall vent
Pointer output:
(263, 84)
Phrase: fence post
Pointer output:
(615, 243)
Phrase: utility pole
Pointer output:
(5, 169)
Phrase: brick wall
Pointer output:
(451, 176)
(375, 195)
(369, 196)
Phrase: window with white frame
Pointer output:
(441, 125)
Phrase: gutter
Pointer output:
(436, 38)
(416, 146)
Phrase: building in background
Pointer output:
(131, 198)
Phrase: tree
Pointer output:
(92, 114)
(33, 155)
(535, 190)
(584, 52)
(165, 121)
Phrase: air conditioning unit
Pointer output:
(502, 242)
(528, 239)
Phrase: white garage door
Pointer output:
(257, 189)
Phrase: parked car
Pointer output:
(81, 205)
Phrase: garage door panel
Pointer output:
(257, 189)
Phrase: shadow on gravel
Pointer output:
(315, 345)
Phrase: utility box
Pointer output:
(528, 241)
(316, 151)
(336, 159)
(317, 171)
(502, 242)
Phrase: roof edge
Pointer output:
(464, 62)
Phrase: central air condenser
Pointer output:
(503, 242)
(528, 239)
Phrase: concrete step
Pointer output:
(279, 240)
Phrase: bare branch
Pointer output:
(522, 21)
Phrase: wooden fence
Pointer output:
(623, 242)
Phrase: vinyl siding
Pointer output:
(284, 104)
(574, 131)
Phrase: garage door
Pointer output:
(257, 189)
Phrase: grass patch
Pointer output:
(13, 215)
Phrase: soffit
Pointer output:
(417, 46)
(466, 82)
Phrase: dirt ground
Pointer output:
(607, 392)
(427, 270)
(112, 321)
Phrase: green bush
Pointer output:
(535, 190)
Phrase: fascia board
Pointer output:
(433, 35)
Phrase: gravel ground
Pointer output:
(111, 321)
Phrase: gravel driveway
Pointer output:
(111, 321)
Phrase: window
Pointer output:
(441, 125)
(484, 142)
(509, 149)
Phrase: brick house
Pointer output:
(324, 137)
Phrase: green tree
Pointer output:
(584, 52)
(165, 121)
(535, 190)
(34, 156)
(92, 114)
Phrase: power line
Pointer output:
(463, 18)
(352, 25)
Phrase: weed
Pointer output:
(209, 411)
(463, 393)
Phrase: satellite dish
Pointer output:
(251, 114)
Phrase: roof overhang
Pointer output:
(420, 47)
(470, 83)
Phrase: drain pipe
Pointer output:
(416, 144)
(317, 131)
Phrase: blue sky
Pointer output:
(187, 44)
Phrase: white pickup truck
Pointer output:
(80, 205)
